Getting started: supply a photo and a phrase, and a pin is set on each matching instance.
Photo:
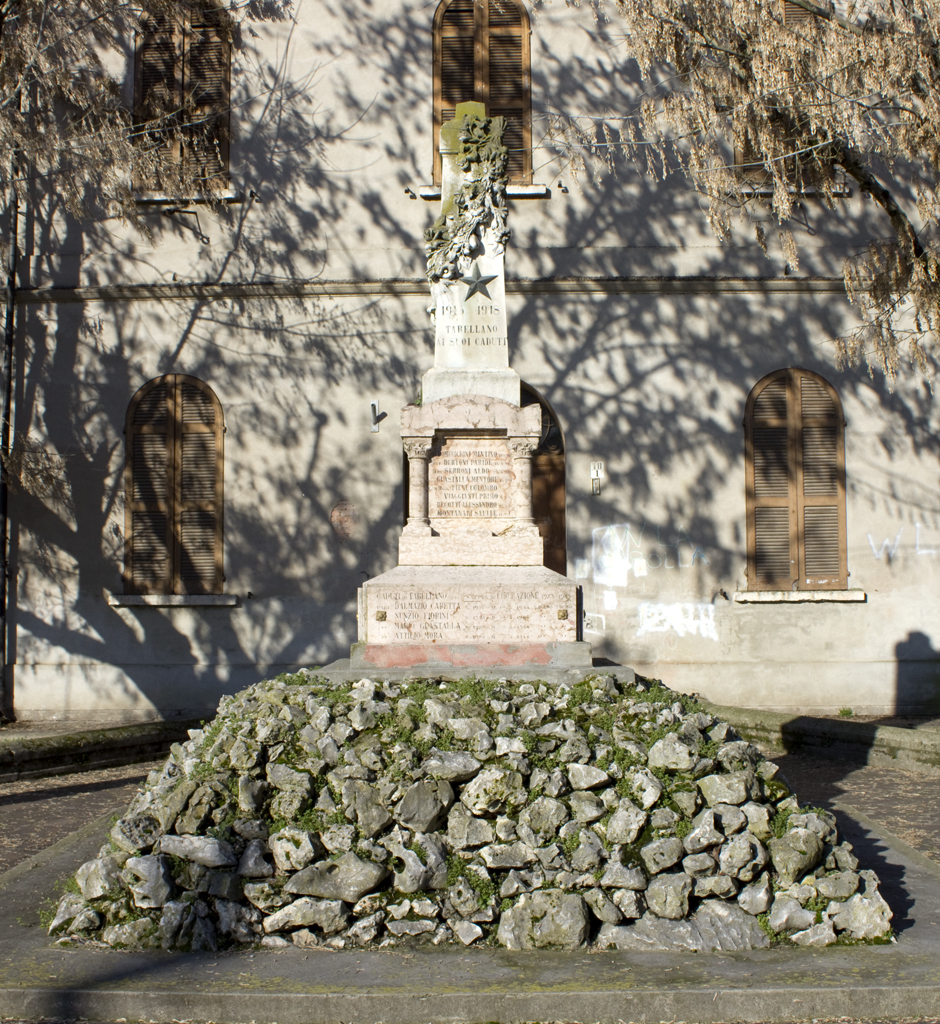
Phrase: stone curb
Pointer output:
(865, 742)
(462, 987)
(22, 757)
(703, 1005)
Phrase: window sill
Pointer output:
(225, 195)
(800, 596)
(173, 600)
(432, 192)
(839, 191)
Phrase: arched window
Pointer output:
(548, 484)
(795, 484)
(173, 489)
(181, 87)
(481, 54)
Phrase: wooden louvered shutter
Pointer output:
(481, 53)
(795, 480)
(174, 527)
(158, 85)
(507, 82)
(794, 13)
(820, 486)
(148, 492)
(206, 94)
(772, 561)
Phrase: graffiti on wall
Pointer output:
(684, 618)
(617, 551)
(890, 547)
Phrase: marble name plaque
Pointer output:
(471, 478)
(476, 614)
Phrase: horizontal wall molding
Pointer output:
(172, 600)
(800, 596)
(419, 286)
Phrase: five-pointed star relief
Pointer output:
(477, 283)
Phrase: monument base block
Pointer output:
(462, 549)
(576, 654)
(470, 615)
(446, 382)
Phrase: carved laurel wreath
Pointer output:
(480, 203)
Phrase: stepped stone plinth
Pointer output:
(471, 588)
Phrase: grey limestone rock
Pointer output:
(251, 795)
(631, 904)
(338, 838)
(720, 886)
(348, 878)
(95, 877)
(465, 831)
(733, 788)
(839, 886)
(254, 861)
(730, 819)
(619, 876)
(646, 788)
(328, 915)
(136, 834)
(539, 920)
(361, 804)
(85, 921)
(715, 925)
(452, 766)
(699, 865)
(585, 776)
(466, 931)
(170, 807)
(545, 815)
(589, 853)
(294, 848)
(493, 792)
(672, 753)
(133, 933)
(758, 819)
(627, 822)
(410, 928)
(155, 885)
(817, 935)
(586, 807)
(365, 929)
(757, 897)
(424, 806)
(265, 896)
(786, 915)
(603, 908)
(238, 922)
(505, 856)
(661, 854)
(822, 823)
(795, 853)
(68, 908)
(668, 895)
(172, 920)
(863, 917)
(743, 857)
(704, 836)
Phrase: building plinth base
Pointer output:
(563, 654)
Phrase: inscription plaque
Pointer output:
(477, 614)
(471, 478)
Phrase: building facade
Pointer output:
(748, 519)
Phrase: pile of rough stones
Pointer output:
(527, 815)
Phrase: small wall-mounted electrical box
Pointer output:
(597, 474)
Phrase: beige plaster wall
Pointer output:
(332, 124)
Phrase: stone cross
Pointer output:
(468, 283)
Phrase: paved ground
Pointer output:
(35, 813)
(892, 814)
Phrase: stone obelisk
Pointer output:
(470, 589)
